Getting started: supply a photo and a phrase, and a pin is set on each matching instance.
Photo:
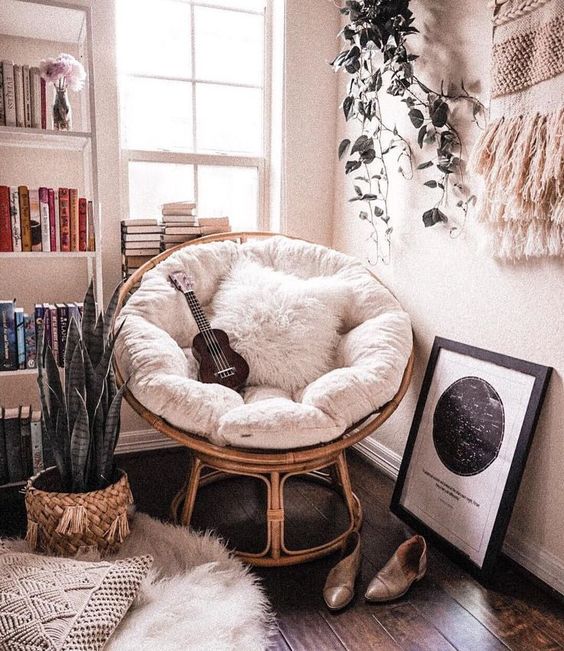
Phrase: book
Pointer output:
(54, 339)
(142, 222)
(36, 441)
(91, 229)
(148, 252)
(57, 222)
(20, 336)
(64, 219)
(82, 224)
(138, 260)
(141, 237)
(26, 96)
(19, 95)
(8, 345)
(35, 88)
(5, 220)
(74, 225)
(4, 477)
(62, 327)
(74, 312)
(25, 434)
(214, 221)
(2, 112)
(126, 228)
(38, 315)
(43, 104)
(47, 331)
(9, 93)
(175, 218)
(178, 238)
(30, 342)
(35, 221)
(53, 240)
(182, 230)
(25, 219)
(15, 219)
(178, 207)
(212, 230)
(43, 194)
(12, 435)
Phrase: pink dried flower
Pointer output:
(65, 71)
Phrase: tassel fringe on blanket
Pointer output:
(521, 153)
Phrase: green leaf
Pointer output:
(76, 390)
(111, 433)
(433, 216)
(416, 118)
(110, 311)
(343, 147)
(79, 447)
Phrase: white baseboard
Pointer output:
(539, 562)
(147, 439)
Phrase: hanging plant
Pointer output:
(378, 60)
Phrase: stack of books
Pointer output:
(180, 223)
(22, 96)
(19, 332)
(45, 219)
(24, 449)
(140, 241)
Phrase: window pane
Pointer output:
(229, 46)
(251, 5)
(229, 192)
(228, 119)
(152, 184)
(157, 114)
(154, 37)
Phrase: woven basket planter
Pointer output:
(64, 523)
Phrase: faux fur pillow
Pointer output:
(287, 328)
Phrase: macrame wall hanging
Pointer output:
(521, 153)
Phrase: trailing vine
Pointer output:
(377, 58)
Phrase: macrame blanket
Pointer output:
(521, 153)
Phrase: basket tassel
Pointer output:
(119, 529)
(73, 520)
(31, 533)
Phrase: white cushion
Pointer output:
(356, 372)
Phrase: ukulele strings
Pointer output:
(208, 335)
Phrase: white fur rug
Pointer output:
(197, 597)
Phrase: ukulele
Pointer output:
(219, 363)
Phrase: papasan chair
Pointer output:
(330, 356)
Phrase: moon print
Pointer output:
(468, 426)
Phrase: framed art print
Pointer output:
(467, 447)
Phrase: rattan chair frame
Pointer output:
(324, 463)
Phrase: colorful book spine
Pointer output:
(36, 442)
(82, 224)
(38, 314)
(64, 219)
(25, 219)
(35, 87)
(35, 220)
(5, 220)
(19, 93)
(15, 219)
(52, 220)
(16, 471)
(27, 96)
(30, 342)
(9, 93)
(43, 104)
(54, 331)
(74, 219)
(4, 477)
(47, 330)
(63, 326)
(8, 346)
(44, 219)
(91, 228)
(2, 112)
(25, 434)
(20, 336)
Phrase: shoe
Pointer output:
(407, 565)
(339, 586)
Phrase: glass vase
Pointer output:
(61, 110)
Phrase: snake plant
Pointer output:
(81, 414)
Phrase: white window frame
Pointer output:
(261, 163)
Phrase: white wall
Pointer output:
(453, 289)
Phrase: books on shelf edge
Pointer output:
(53, 239)
(12, 436)
(25, 435)
(62, 325)
(43, 194)
(8, 345)
(15, 219)
(27, 96)
(64, 219)
(25, 219)
(5, 220)
(20, 336)
(30, 342)
(35, 88)
(91, 229)
(35, 220)
(4, 477)
(36, 442)
(43, 104)
(74, 225)
(19, 95)
(54, 339)
(82, 224)
(9, 93)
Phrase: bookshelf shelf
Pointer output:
(44, 139)
(48, 254)
(25, 371)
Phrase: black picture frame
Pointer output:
(541, 375)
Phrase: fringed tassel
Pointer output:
(73, 520)
(515, 240)
(119, 529)
(32, 534)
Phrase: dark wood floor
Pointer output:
(447, 610)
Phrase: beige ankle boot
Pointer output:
(339, 586)
(407, 565)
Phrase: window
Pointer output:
(195, 106)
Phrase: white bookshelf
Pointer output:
(29, 31)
